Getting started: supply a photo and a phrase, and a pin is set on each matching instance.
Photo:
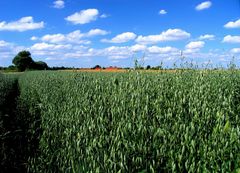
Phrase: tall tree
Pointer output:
(23, 60)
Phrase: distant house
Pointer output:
(97, 68)
(112, 68)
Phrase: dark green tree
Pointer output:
(23, 61)
(148, 67)
(40, 65)
(97, 67)
(11, 67)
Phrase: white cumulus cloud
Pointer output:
(83, 17)
(76, 37)
(195, 45)
(23, 24)
(121, 38)
(162, 12)
(46, 46)
(207, 37)
(115, 52)
(233, 24)
(169, 35)
(8, 50)
(162, 50)
(231, 39)
(54, 38)
(235, 50)
(34, 38)
(95, 32)
(58, 4)
(138, 47)
(104, 16)
(4, 43)
(203, 5)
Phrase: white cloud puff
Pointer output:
(233, 24)
(169, 35)
(115, 52)
(207, 37)
(34, 38)
(8, 50)
(4, 43)
(162, 12)
(203, 5)
(162, 50)
(23, 24)
(46, 46)
(235, 50)
(83, 17)
(195, 45)
(95, 32)
(138, 47)
(121, 38)
(231, 39)
(76, 37)
(104, 16)
(59, 4)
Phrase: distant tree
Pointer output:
(127, 68)
(23, 60)
(11, 67)
(97, 67)
(148, 67)
(58, 68)
(40, 65)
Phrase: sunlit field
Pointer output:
(120, 86)
(186, 121)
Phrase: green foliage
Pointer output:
(23, 61)
(12, 68)
(148, 67)
(11, 141)
(186, 121)
(40, 65)
(7, 83)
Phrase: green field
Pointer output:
(186, 121)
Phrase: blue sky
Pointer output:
(83, 33)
